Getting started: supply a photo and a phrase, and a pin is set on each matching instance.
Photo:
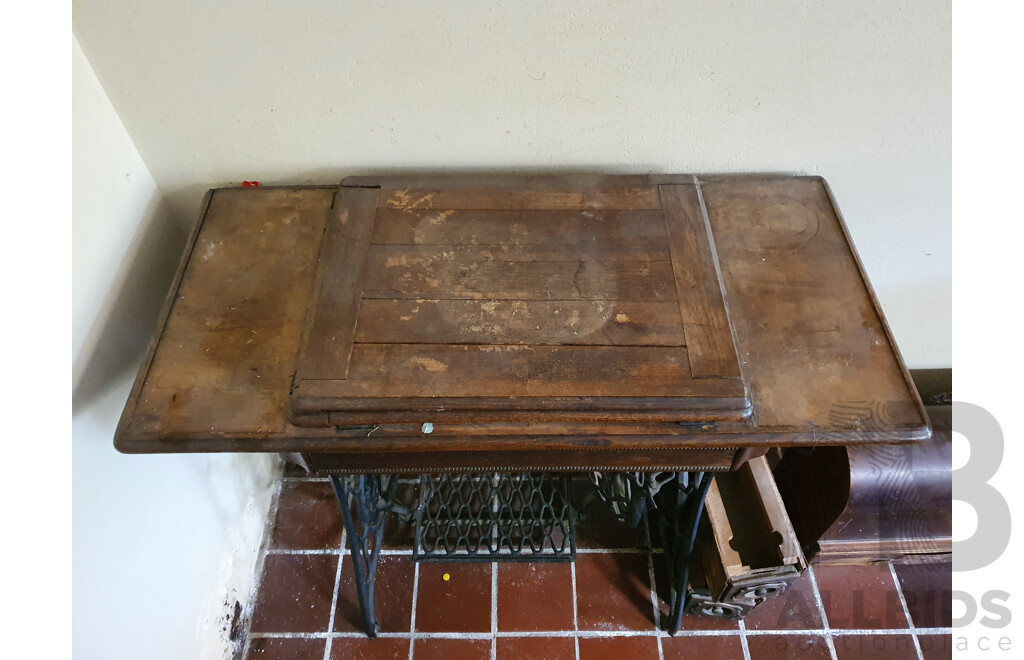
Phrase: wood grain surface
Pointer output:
(527, 291)
(819, 362)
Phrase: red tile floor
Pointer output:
(609, 603)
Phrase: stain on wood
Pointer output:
(565, 322)
(478, 259)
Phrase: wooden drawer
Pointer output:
(746, 550)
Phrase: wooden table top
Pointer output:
(543, 322)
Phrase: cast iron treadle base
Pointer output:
(364, 500)
(678, 500)
(628, 494)
(679, 505)
(495, 516)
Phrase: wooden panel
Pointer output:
(816, 353)
(529, 192)
(512, 182)
(708, 335)
(331, 328)
(412, 272)
(866, 504)
(479, 290)
(441, 370)
(224, 361)
(538, 322)
(580, 230)
(807, 326)
(746, 545)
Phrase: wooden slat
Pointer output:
(536, 322)
(579, 229)
(701, 304)
(511, 182)
(810, 332)
(330, 333)
(227, 350)
(535, 195)
(413, 272)
(412, 370)
(405, 255)
(807, 327)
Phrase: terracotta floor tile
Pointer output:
(614, 592)
(874, 647)
(928, 589)
(308, 517)
(451, 649)
(295, 593)
(462, 603)
(793, 609)
(286, 649)
(860, 597)
(534, 596)
(619, 648)
(795, 647)
(362, 648)
(936, 647)
(705, 647)
(690, 621)
(536, 648)
(393, 598)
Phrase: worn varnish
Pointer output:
(526, 291)
(577, 322)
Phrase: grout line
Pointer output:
(334, 599)
(906, 611)
(575, 610)
(261, 559)
(494, 610)
(612, 551)
(412, 617)
(934, 631)
(821, 612)
(654, 589)
(743, 640)
(601, 634)
(457, 557)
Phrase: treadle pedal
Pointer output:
(495, 516)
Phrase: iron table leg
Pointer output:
(372, 496)
(679, 506)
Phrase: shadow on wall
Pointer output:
(124, 325)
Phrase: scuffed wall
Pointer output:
(162, 546)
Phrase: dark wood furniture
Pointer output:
(747, 549)
(863, 504)
(628, 326)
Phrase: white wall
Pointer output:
(860, 92)
(162, 545)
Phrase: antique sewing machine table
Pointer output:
(495, 333)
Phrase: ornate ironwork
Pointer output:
(371, 497)
(703, 605)
(628, 494)
(495, 516)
